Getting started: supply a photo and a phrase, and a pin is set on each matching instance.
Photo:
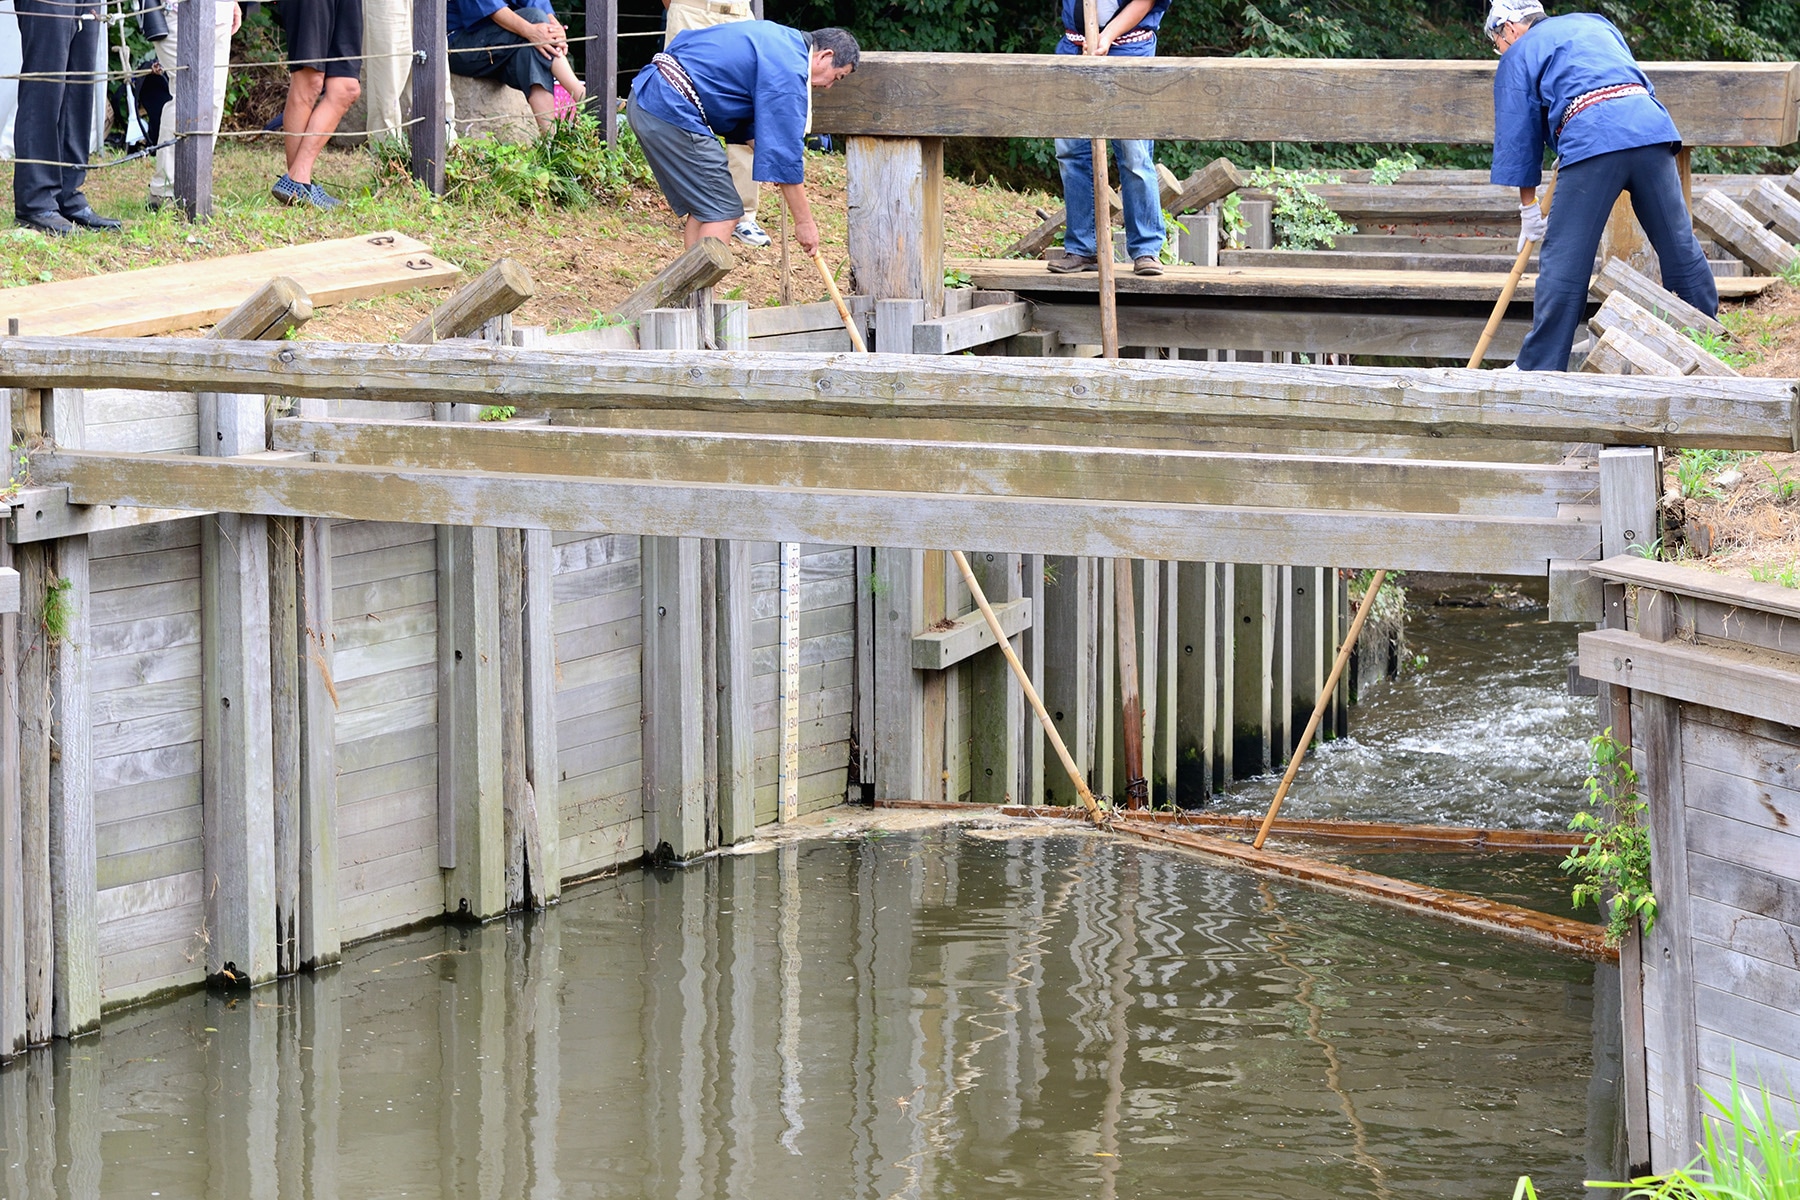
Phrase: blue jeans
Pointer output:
(1137, 183)
(1585, 192)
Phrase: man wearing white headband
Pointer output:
(1570, 83)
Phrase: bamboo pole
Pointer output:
(1031, 696)
(1318, 713)
(837, 298)
(987, 611)
(1512, 281)
(1109, 302)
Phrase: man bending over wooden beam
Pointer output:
(1571, 81)
(750, 81)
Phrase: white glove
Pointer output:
(1532, 224)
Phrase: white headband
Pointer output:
(1510, 10)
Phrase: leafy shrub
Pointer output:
(567, 166)
(1612, 865)
(1302, 220)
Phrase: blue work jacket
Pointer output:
(462, 15)
(753, 77)
(1553, 63)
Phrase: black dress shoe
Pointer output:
(87, 218)
(52, 223)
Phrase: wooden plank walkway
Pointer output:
(1314, 283)
(194, 294)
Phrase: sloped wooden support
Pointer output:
(1627, 315)
(699, 266)
(1726, 222)
(495, 292)
(1616, 352)
(1616, 275)
(1770, 203)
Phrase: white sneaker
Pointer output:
(750, 233)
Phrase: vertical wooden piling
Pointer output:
(237, 769)
(285, 667)
(542, 798)
(320, 942)
(998, 706)
(519, 816)
(1307, 643)
(674, 786)
(471, 801)
(899, 600)
(1069, 621)
(896, 219)
(194, 36)
(12, 833)
(736, 731)
(35, 564)
(1194, 659)
(1253, 636)
(1225, 642)
(73, 867)
(1031, 753)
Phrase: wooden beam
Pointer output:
(899, 598)
(1718, 413)
(1215, 181)
(495, 292)
(1501, 545)
(543, 847)
(1770, 203)
(1726, 222)
(1147, 476)
(1625, 314)
(1258, 99)
(1617, 275)
(12, 823)
(1750, 680)
(699, 266)
(193, 130)
(1367, 260)
(895, 206)
(1305, 330)
(976, 327)
(1616, 352)
(736, 730)
(471, 822)
(968, 635)
(268, 314)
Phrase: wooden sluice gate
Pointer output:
(330, 656)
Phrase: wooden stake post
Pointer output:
(429, 138)
(194, 35)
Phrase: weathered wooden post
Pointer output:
(12, 811)
(194, 36)
(998, 704)
(600, 62)
(428, 135)
(896, 219)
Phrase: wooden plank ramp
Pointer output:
(194, 294)
(1317, 283)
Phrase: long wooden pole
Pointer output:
(837, 298)
(1318, 713)
(1031, 696)
(1109, 303)
(1512, 281)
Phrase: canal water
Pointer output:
(954, 1011)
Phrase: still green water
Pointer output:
(930, 1014)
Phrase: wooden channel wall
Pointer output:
(1711, 668)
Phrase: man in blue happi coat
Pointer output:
(1570, 83)
(1127, 30)
(749, 81)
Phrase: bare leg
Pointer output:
(543, 107)
(697, 229)
(339, 94)
(565, 75)
(304, 88)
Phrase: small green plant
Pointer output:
(1722, 348)
(1782, 483)
(1172, 232)
(1790, 274)
(1231, 221)
(1694, 470)
(1652, 550)
(1388, 171)
(954, 278)
(497, 412)
(736, 293)
(1749, 1154)
(55, 618)
(19, 474)
(568, 165)
(1612, 865)
(1788, 576)
(1302, 220)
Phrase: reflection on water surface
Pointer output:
(937, 1014)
